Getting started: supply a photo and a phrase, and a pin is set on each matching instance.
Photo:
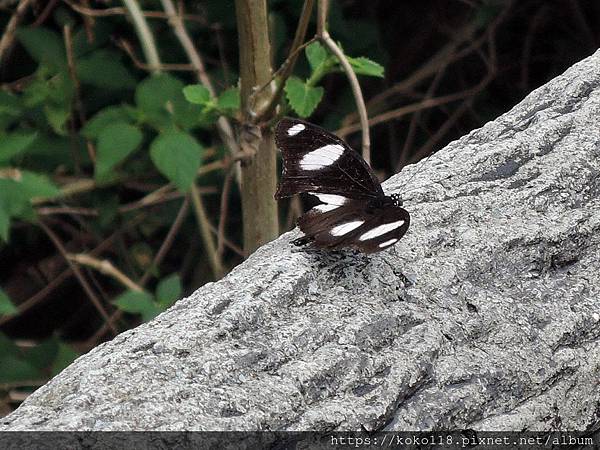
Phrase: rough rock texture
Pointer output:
(486, 314)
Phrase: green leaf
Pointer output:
(137, 303)
(10, 104)
(364, 66)
(229, 100)
(316, 55)
(197, 94)
(4, 221)
(14, 144)
(17, 189)
(168, 290)
(7, 346)
(302, 97)
(161, 103)
(115, 143)
(6, 306)
(44, 46)
(177, 156)
(57, 116)
(65, 356)
(14, 369)
(104, 69)
(35, 185)
(42, 355)
(103, 118)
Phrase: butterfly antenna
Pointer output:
(418, 170)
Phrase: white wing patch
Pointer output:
(330, 199)
(325, 208)
(386, 243)
(380, 230)
(321, 157)
(346, 228)
(293, 131)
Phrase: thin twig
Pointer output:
(38, 296)
(236, 249)
(280, 70)
(84, 284)
(145, 35)
(441, 131)
(414, 120)
(168, 241)
(155, 198)
(106, 267)
(223, 213)
(204, 225)
(223, 126)
(288, 66)
(77, 91)
(408, 109)
(9, 32)
(65, 274)
(352, 78)
(74, 211)
(118, 11)
(122, 43)
(45, 13)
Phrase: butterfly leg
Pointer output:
(304, 240)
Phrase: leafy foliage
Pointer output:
(177, 155)
(115, 142)
(6, 306)
(304, 96)
(103, 152)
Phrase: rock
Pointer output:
(486, 315)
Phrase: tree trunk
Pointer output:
(259, 171)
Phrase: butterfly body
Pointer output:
(354, 212)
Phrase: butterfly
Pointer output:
(354, 211)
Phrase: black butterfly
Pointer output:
(355, 211)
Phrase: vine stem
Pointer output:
(145, 35)
(326, 39)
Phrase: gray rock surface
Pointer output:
(486, 315)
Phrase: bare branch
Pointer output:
(205, 226)
(118, 11)
(84, 284)
(9, 32)
(223, 126)
(168, 241)
(352, 78)
(77, 89)
(106, 267)
(408, 109)
(287, 67)
(144, 34)
(223, 214)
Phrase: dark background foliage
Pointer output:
(75, 86)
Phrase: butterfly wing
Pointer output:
(352, 225)
(316, 161)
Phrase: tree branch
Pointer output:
(288, 66)
(223, 126)
(144, 33)
(352, 78)
(168, 241)
(9, 32)
(84, 284)
(106, 267)
(205, 226)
